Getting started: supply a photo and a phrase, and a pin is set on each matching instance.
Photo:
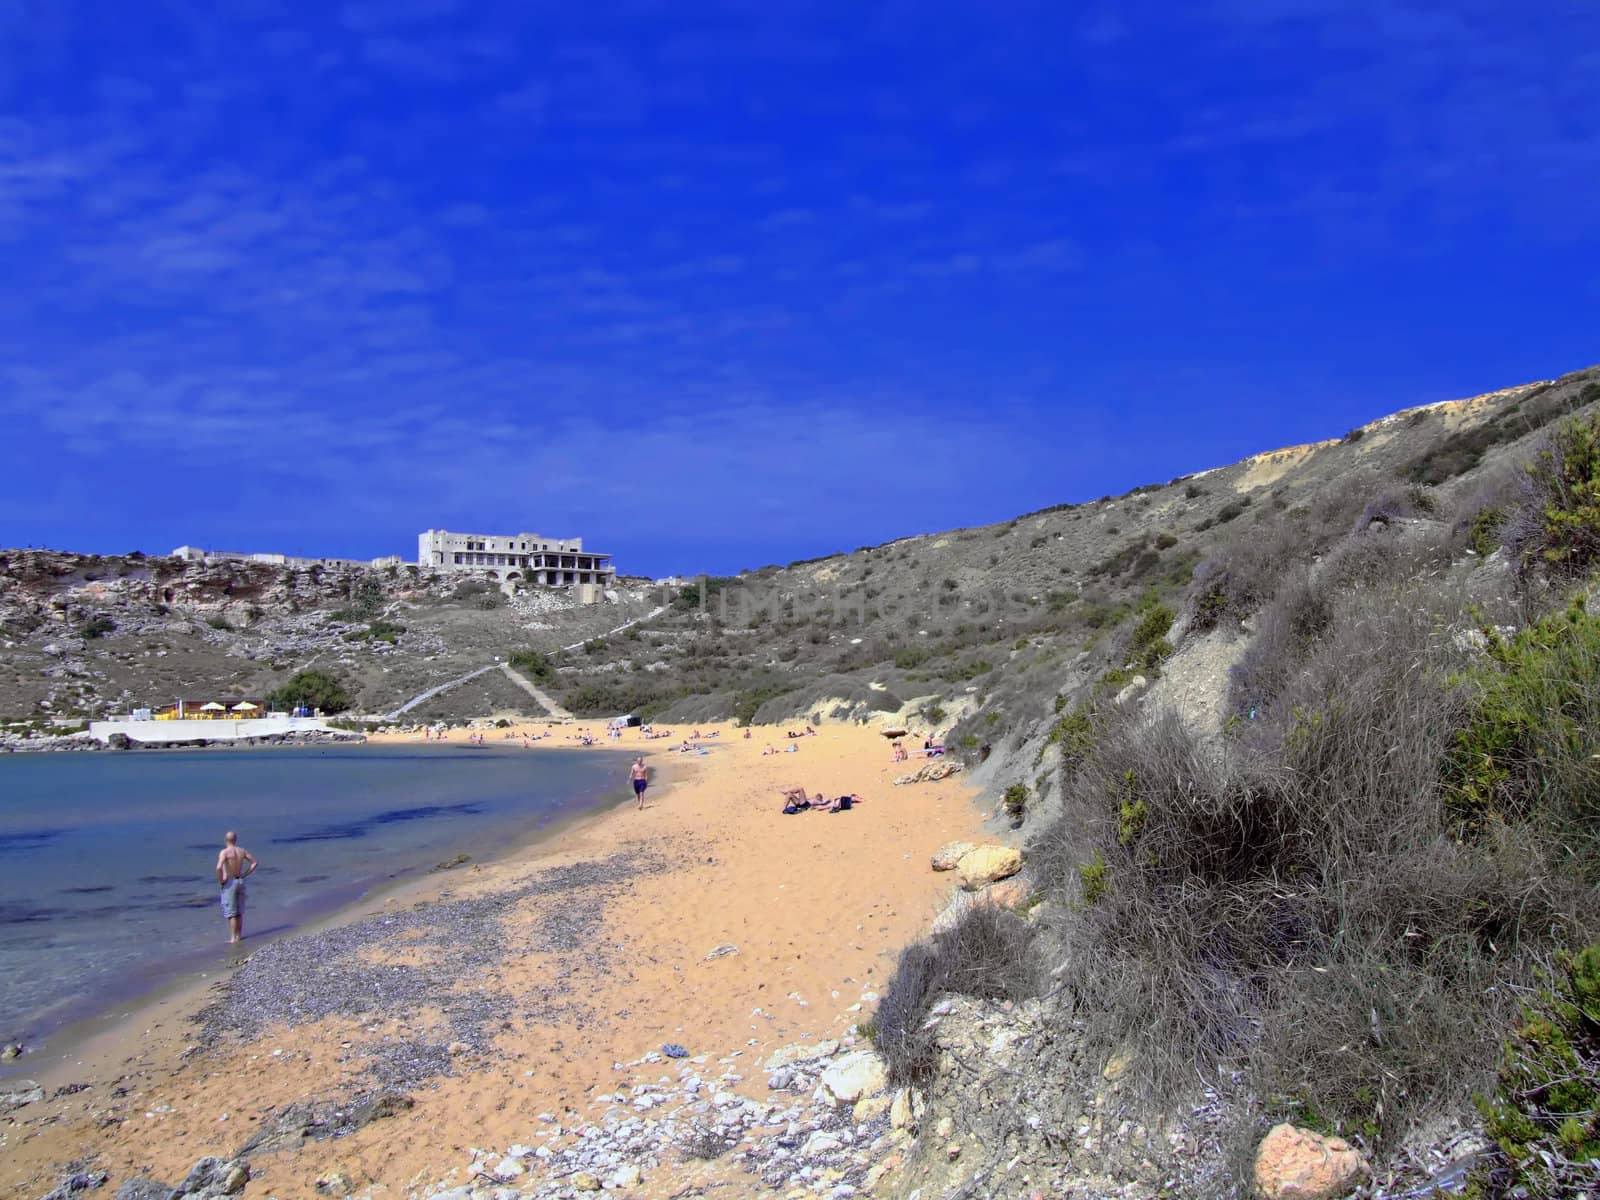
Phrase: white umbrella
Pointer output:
(244, 706)
(211, 706)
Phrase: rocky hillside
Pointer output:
(1299, 753)
(998, 620)
(970, 631)
(86, 635)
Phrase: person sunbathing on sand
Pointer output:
(796, 800)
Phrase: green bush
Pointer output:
(612, 696)
(1094, 879)
(96, 627)
(379, 631)
(1544, 1112)
(910, 658)
(1556, 528)
(1532, 729)
(315, 688)
(1483, 530)
(749, 700)
(532, 663)
(1074, 732)
(366, 597)
(1148, 645)
(1015, 801)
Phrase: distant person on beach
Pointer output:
(640, 774)
(234, 865)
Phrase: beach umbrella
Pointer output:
(244, 706)
(211, 706)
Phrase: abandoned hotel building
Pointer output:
(553, 562)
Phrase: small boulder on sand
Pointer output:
(1296, 1164)
(1008, 893)
(17, 1092)
(947, 856)
(985, 864)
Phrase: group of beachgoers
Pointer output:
(440, 733)
(798, 800)
(930, 748)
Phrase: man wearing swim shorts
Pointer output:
(640, 775)
(234, 865)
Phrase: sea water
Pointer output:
(107, 883)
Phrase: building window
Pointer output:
(458, 560)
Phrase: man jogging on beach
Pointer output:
(640, 775)
(234, 865)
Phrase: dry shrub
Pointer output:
(988, 953)
(707, 1142)
(1298, 615)
(1394, 502)
(1242, 576)
(1298, 900)
(1477, 521)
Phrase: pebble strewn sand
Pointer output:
(501, 997)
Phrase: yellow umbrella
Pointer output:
(211, 706)
(244, 706)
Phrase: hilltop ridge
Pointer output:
(81, 635)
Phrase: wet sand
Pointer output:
(495, 995)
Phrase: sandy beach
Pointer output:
(501, 1000)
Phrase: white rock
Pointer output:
(626, 1177)
(820, 1143)
(799, 1052)
(853, 1076)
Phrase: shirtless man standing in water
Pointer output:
(234, 865)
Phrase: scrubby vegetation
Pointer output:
(317, 689)
(1399, 828)
(1557, 526)
(531, 663)
(378, 631)
(1544, 1112)
(1332, 909)
(987, 953)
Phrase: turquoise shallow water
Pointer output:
(106, 884)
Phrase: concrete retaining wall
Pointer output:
(156, 732)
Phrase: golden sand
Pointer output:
(817, 904)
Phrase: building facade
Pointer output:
(197, 554)
(552, 562)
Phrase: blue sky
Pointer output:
(716, 285)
